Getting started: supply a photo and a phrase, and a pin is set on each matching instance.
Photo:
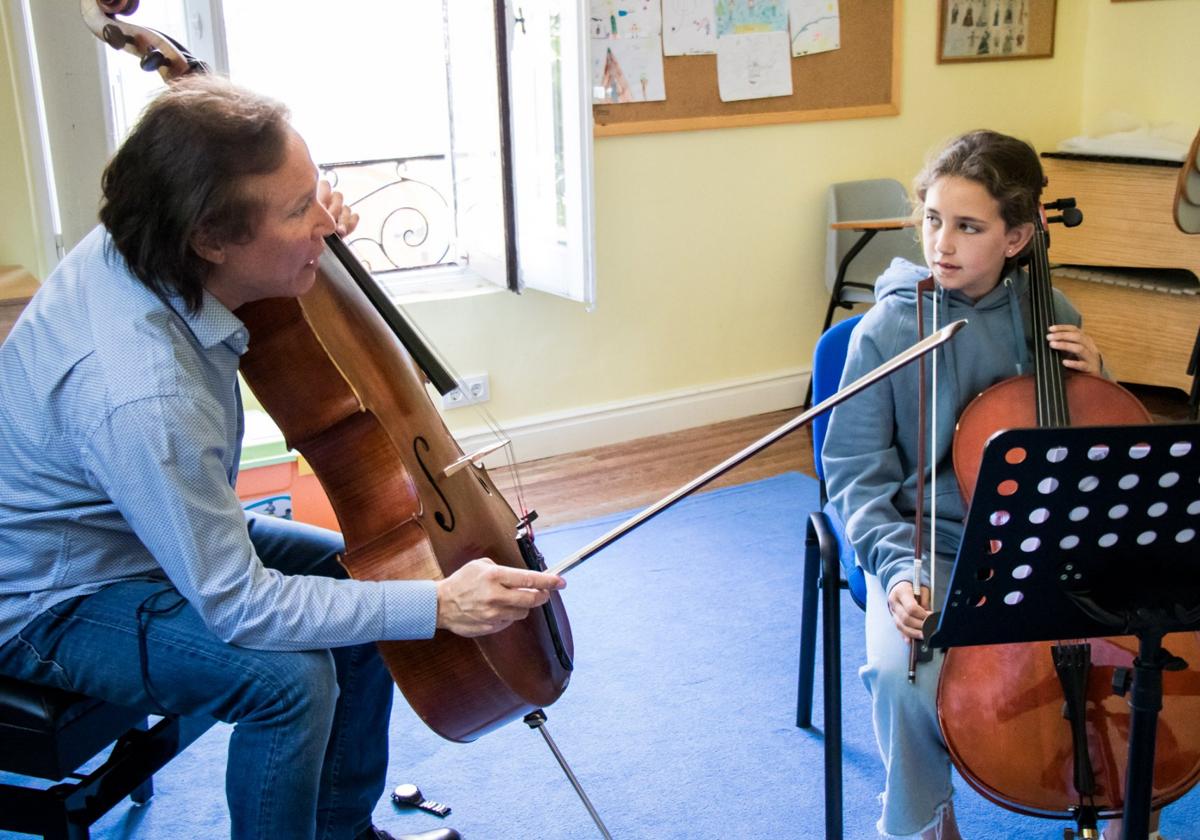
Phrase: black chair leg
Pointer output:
(833, 305)
(831, 616)
(835, 294)
(69, 831)
(143, 792)
(78, 831)
(839, 281)
(808, 628)
(822, 567)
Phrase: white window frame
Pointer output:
(68, 107)
(35, 144)
(553, 258)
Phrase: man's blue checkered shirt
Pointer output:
(120, 432)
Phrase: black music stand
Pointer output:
(1078, 532)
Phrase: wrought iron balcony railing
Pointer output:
(405, 218)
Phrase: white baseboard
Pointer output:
(600, 425)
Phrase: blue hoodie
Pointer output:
(870, 451)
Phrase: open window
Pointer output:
(460, 131)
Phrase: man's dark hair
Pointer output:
(180, 173)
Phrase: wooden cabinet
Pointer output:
(1142, 306)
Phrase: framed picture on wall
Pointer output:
(994, 30)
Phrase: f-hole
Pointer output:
(446, 520)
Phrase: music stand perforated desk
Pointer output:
(1085, 532)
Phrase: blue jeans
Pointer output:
(917, 786)
(308, 753)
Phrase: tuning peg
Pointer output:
(153, 59)
(1059, 204)
(114, 37)
(1070, 217)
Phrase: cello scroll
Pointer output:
(155, 51)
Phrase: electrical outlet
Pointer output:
(473, 390)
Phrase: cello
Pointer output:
(1042, 756)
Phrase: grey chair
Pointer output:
(854, 259)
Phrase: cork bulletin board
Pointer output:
(861, 79)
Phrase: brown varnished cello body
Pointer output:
(346, 394)
(336, 372)
(1001, 707)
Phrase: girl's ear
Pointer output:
(207, 247)
(1017, 238)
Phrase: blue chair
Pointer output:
(829, 565)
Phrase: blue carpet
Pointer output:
(679, 720)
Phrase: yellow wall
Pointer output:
(710, 244)
(1142, 58)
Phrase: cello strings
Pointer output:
(1051, 400)
(488, 420)
(1048, 383)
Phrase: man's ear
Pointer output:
(207, 247)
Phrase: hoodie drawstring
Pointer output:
(1014, 309)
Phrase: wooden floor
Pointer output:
(629, 476)
(626, 476)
